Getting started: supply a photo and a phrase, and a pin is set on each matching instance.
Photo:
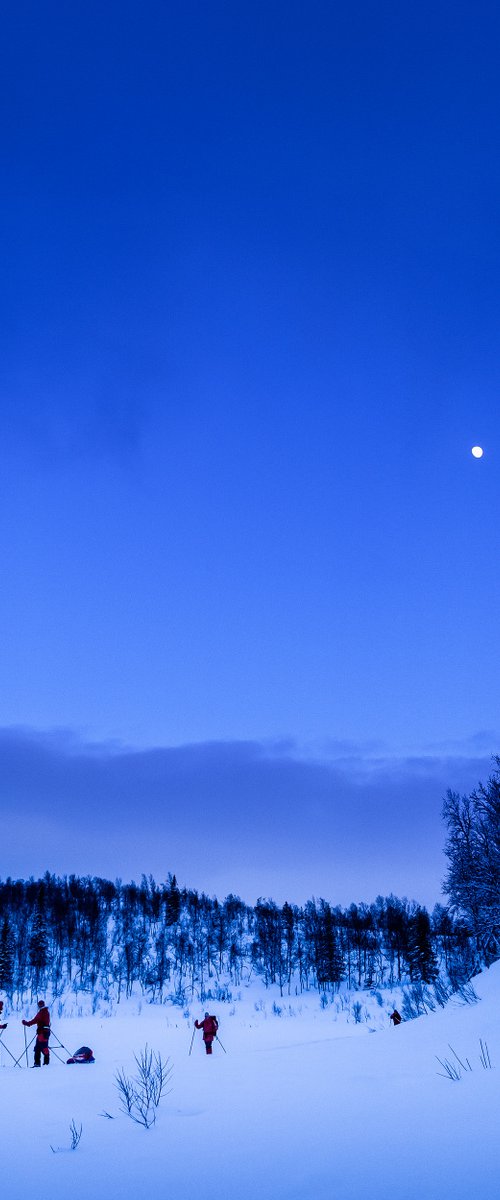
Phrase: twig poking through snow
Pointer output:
(76, 1134)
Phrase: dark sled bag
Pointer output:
(83, 1055)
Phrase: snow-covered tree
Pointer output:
(473, 852)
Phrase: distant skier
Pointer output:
(42, 1022)
(209, 1025)
(395, 1017)
(2, 1027)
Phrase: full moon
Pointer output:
(477, 451)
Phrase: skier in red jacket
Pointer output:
(209, 1025)
(2, 1027)
(42, 1022)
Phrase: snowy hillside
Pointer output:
(307, 1105)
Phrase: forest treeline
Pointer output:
(92, 935)
(106, 938)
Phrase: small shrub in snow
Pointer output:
(455, 1070)
(421, 998)
(484, 1056)
(222, 994)
(178, 998)
(141, 1095)
(441, 992)
(76, 1133)
(450, 1071)
(417, 1001)
(467, 994)
(357, 1009)
(277, 1010)
(409, 1005)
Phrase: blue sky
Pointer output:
(250, 325)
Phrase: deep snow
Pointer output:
(303, 1106)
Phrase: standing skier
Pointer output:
(42, 1022)
(395, 1017)
(209, 1025)
(2, 1027)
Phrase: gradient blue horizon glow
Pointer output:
(250, 311)
(224, 817)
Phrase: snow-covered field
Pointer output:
(306, 1105)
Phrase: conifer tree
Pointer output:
(7, 958)
(330, 961)
(422, 959)
(38, 950)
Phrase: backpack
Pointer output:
(83, 1055)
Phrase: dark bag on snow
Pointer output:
(83, 1055)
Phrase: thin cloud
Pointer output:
(243, 815)
(483, 741)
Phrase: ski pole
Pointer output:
(9, 1052)
(25, 1045)
(18, 1060)
(217, 1038)
(192, 1040)
(60, 1044)
(61, 1060)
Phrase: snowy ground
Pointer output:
(308, 1105)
